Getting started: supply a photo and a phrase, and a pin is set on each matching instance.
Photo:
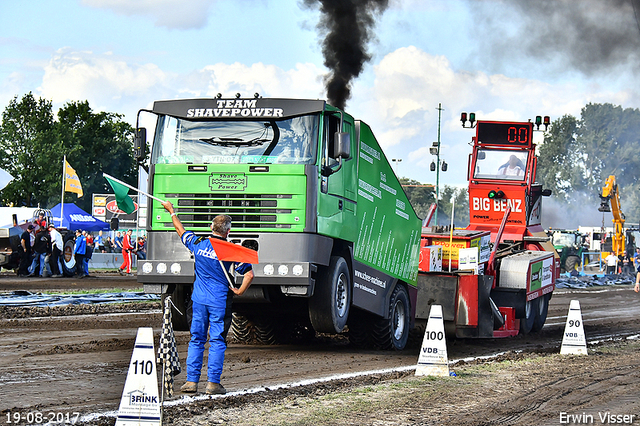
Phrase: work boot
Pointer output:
(189, 387)
(215, 389)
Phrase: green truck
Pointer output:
(309, 185)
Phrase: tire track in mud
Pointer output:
(577, 393)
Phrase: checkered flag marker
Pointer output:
(168, 351)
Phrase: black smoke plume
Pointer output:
(594, 37)
(347, 26)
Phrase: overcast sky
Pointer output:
(503, 60)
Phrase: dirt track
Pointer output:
(52, 361)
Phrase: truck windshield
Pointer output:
(290, 141)
(500, 164)
(561, 239)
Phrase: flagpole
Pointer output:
(131, 187)
(64, 175)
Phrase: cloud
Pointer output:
(409, 83)
(172, 14)
(304, 81)
(106, 81)
(593, 37)
(118, 84)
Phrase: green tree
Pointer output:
(420, 196)
(461, 213)
(556, 170)
(95, 143)
(578, 155)
(27, 141)
(33, 145)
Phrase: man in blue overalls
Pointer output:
(209, 298)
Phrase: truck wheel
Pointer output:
(393, 333)
(329, 306)
(531, 311)
(241, 329)
(416, 334)
(265, 331)
(67, 259)
(360, 328)
(181, 298)
(572, 263)
(541, 313)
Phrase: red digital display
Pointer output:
(504, 133)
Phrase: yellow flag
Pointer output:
(72, 182)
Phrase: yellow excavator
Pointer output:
(610, 202)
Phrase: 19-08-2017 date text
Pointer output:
(38, 417)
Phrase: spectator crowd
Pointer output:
(41, 250)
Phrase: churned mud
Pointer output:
(74, 359)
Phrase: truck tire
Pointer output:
(241, 329)
(531, 311)
(416, 334)
(329, 306)
(67, 259)
(572, 263)
(181, 298)
(393, 332)
(265, 331)
(541, 313)
(360, 328)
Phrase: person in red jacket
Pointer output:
(127, 250)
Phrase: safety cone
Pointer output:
(574, 341)
(140, 403)
(433, 360)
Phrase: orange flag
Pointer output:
(233, 252)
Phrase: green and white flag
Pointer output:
(125, 203)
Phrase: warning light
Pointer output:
(496, 195)
(538, 122)
(547, 122)
(444, 166)
(472, 119)
(432, 167)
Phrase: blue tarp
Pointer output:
(76, 218)
(584, 281)
(25, 298)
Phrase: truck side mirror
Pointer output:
(139, 143)
(341, 145)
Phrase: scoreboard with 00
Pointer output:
(504, 133)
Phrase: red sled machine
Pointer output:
(495, 278)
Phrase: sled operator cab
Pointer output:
(502, 175)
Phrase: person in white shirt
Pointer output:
(512, 168)
(57, 246)
(612, 262)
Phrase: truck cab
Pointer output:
(305, 183)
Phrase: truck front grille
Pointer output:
(247, 211)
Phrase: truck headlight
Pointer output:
(268, 269)
(161, 268)
(147, 267)
(176, 268)
(297, 270)
(283, 269)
